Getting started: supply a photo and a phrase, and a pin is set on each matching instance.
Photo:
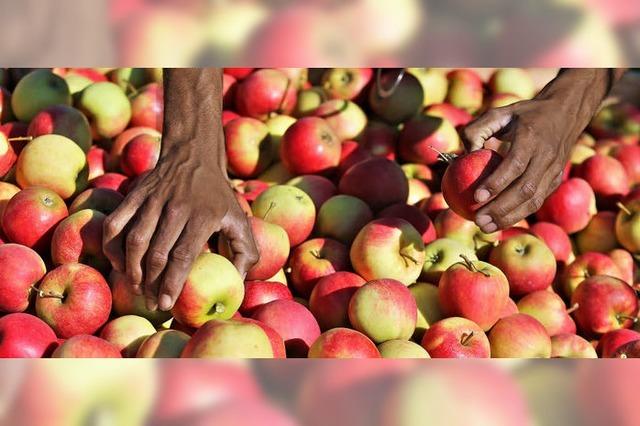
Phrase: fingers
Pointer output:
(484, 127)
(240, 238)
(114, 226)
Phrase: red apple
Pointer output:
(125, 302)
(62, 120)
(423, 138)
(346, 118)
(456, 338)
(258, 293)
(599, 235)
(352, 153)
(310, 146)
(571, 206)
(402, 103)
(606, 176)
(584, 266)
(379, 139)
(341, 217)
(115, 181)
(610, 342)
(123, 139)
(319, 188)
(555, 238)
(433, 205)
(163, 344)
(414, 216)
(20, 269)
(628, 350)
(345, 83)
(629, 157)
(465, 89)
(343, 343)
(625, 263)
(86, 346)
(98, 160)
(548, 308)
(571, 346)
(456, 116)
(227, 116)
(229, 85)
(329, 301)
(140, 155)
(228, 339)
(277, 343)
(101, 199)
(315, 259)
(238, 73)
(264, 92)
(25, 336)
(519, 336)
(249, 189)
(249, 150)
(147, 106)
(391, 184)
(78, 239)
(127, 333)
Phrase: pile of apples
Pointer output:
(342, 180)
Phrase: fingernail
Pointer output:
(492, 227)
(151, 304)
(482, 195)
(483, 219)
(165, 302)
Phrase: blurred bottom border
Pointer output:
(320, 392)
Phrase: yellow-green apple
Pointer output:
(228, 339)
(352, 153)
(213, 290)
(278, 125)
(54, 162)
(76, 83)
(462, 178)
(293, 322)
(341, 217)
(451, 225)
(571, 346)
(5, 105)
(625, 263)
(31, 216)
(555, 238)
(604, 303)
(273, 247)
(7, 191)
(107, 108)
(163, 344)
(384, 309)
(456, 337)
(258, 293)
(498, 100)
(289, 207)
(249, 150)
(628, 226)
(36, 91)
(277, 342)
(571, 206)
(606, 176)
(20, 269)
(584, 266)
(121, 141)
(308, 100)
(400, 105)
(101, 199)
(414, 216)
(580, 153)
(299, 77)
(391, 185)
(456, 116)
(423, 138)
(329, 301)
(516, 81)
(115, 181)
(440, 255)
(418, 191)
(380, 139)
(62, 120)
(343, 343)
(129, 79)
(8, 156)
(73, 299)
(127, 333)
(610, 342)
(548, 308)
(126, 302)
(629, 157)
(434, 84)
(78, 239)
(465, 89)
(599, 235)
(433, 205)
(98, 160)
(526, 261)
(346, 118)
(429, 311)
(276, 174)
(418, 171)
(628, 350)
(265, 92)
(147, 106)
(388, 248)
(310, 146)
(519, 336)
(25, 336)
(315, 259)
(345, 83)
(140, 155)
(402, 349)
(319, 188)
(86, 346)
(473, 290)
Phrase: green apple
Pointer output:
(402, 349)
(36, 91)
(107, 108)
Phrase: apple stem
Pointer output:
(623, 208)
(316, 254)
(271, 206)
(573, 308)
(622, 318)
(443, 156)
(284, 96)
(20, 138)
(464, 339)
(132, 89)
(406, 256)
(46, 294)
(469, 264)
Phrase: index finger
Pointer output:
(240, 239)
(476, 133)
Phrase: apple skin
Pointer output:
(36, 91)
(556, 240)
(462, 178)
(7, 191)
(391, 183)
(423, 137)
(343, 343)
(31, 216)
(264, 92)
(571, 206)
(606, 176)
(451, 225)
(388, 248)
(121, 141)
(456, 337)
(346, 118)
(629, 157)
(433, 205)
(516, 81)
(473, 290)
(319, 188)
(249, 150)
(628, 350)
(228, 339)
(379, 139)
(628, 225)
(415, 217)
(213, 290)
(86, 346)
(548, 308)
(603, 302)
(25, 336)
(519, 336)
(526, 261)
(258, 293)
(345, 83)
(276, 174)
(140, 155)
(456, 116)
(125, 302)
(314, 259)
(625, 263)
(383, 310)
(277, 343)
(329, 301)
(308, 100)
(78, 239)
(5, 105)
(107, 108)
(163, 344)
(277, 126)
(289, 207)
(87, 300)
(571, 346)
(103, 200)
(402, 104)
(599, 235)
(147, 107)
(97, 160)
(434, 84)
(20, 269)
(228, 116)
(54, 162)
(465, 90)
(429, 310)
(293, 322)
(341, 217)
(115, 181)
(584, 266)
(440, 255)
(352, 153)
(402, 349)
(310, 146)
(62, 120)
(610, 342)
(127, 333)
(238, 73)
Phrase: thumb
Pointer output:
(240, 239)
(476, 133)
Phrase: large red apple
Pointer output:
(249, 150)
(584, 266)
(519, 336)
(315, 259)
(343, 343)
(78, 239)
(329, 301)
(228, 339)
(319, 188)
(62, 120)
(264, 92)
(423, 138)
(25, 336)
(123, 139)
(555, 238)
(310, 146)
(140, 155)
(548, 308)
(86, 346)
(147, 107)
(610, 342)
(456, 337)
(20, 269)
(127, 333)
(415, 217)
(341, 217)
(606, 176)
(571, 206)
(258, 293)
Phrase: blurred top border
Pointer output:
(311, 33)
